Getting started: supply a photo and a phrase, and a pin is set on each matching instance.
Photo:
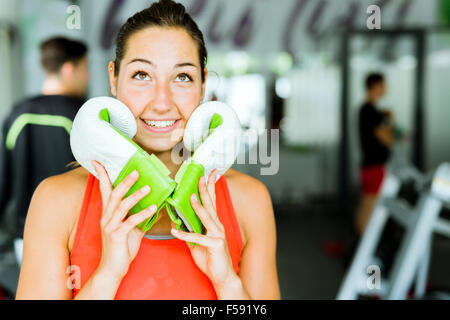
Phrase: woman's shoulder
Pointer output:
(64, 187)
(246, 185)
(247, 191)
(57, 201)
(251, 200)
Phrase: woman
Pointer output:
(77, 223)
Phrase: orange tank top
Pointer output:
(162, 269)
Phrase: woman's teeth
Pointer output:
(160, 124)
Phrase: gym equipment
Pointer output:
(18, 250)
(103, 129)
(411, 262)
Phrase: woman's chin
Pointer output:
(157, 144)
(158, 147)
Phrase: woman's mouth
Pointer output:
(160, 126)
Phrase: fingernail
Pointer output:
(194, 197)
(134, 174)
(153, 208)
(145, 189)
(174, 230)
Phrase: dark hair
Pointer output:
(59, 50)
(164, 13)
(373, 79)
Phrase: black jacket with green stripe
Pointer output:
(35, 146)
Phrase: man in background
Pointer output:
(35, 140)
(376, 135)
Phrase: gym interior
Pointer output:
(295, 71)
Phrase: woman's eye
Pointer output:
(184, 77)
(141, 76)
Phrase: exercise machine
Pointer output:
(420, 222)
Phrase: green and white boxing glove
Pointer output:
(102, 131)
(214, 134)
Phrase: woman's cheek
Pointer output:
(188, 100)
(134, 98)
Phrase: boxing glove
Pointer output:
(102, 131)
(213, 133)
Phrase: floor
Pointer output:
(305, 270)
(311, 264)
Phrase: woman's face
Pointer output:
(160, 81)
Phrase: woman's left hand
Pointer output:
(211, 253)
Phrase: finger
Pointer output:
(205, 196)
(119, 192)
(128, 203)
(200, 239)
(212, 186)
(134, 220)
(205, 217)
(104, 182)
(140, 233)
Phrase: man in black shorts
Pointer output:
(35, 140)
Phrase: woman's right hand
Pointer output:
(121, 238)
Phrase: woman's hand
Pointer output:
(121, 238)
(211, 253)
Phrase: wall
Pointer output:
(437, 99)
(10, 88)
(297, 26)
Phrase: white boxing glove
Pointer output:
(102, 131)
(214, 133)
(93, 138)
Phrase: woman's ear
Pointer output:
(112, 78)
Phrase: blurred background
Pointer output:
(294, 65)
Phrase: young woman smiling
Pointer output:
(77, 223)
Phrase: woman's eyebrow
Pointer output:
(178, 65)
(185, 64)
(141, 60)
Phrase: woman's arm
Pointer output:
(258, 268)
(257, 278)
(45, 267)
(100, 286)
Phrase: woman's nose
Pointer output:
(161, 101)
